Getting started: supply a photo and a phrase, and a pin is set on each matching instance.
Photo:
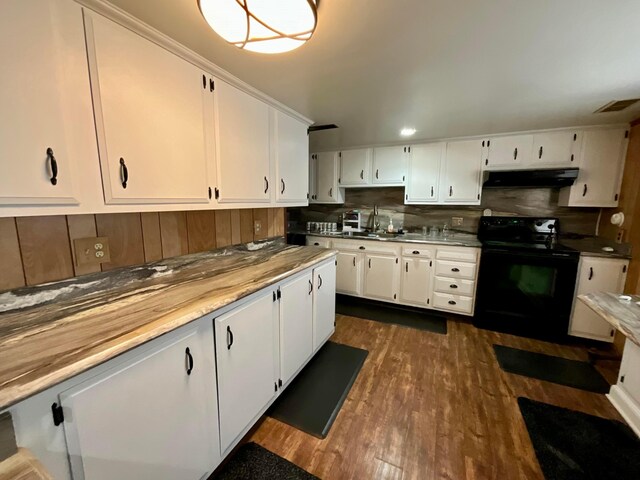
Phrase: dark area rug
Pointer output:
(397, 315)
(312, 401)
(253, 462)
(572, 445)
(572, 373)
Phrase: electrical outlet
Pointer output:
(456, 221)
(92, 251)
(619, 235)
(257, 226)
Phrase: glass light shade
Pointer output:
(264, 26)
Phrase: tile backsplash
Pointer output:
(501, 201)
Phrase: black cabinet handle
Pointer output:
(266, 183)
(451, 190)
(377, 170)
(362, 174)
(319, 282)
(317, 244)
(124, 173)
(416, 252)
(406, 267)
(451, 302)
(455, 269)
(283, 185)
(331, 192)
(453, 285)
(515, 153)
(361, 248)
(432, 190)
(310, 287)
(369, 263)
(54, 166)
(354, 261)
(187, 352)
(540, 152)
(590, 273)
(229, 337)
(584, 190)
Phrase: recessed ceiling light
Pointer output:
(267, 26)
(407, 132)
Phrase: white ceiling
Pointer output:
(445, 67)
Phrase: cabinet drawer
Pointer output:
(462, 254)
(367, 246)
(418, 251)
(319, 242)
(455, 303)
(455, 269)
(454, 286)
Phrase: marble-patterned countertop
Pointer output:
(51, 332)
(453, 239)
(621, 311)
(593, 247)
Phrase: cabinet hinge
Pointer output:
(275, 386)
(340, 154)
(336, 263)
(396, 260)
(279, 294)
(486, 162)
(274, 296)
(280, 382)
(624, 269)
(212, 85)
(307, 196)
(406, 197)
(626, 134)
(427, 301)
(339, 180)
(478, 196)
(431, 263)
(217, 193)
(403, 178)
(611, 333)
(616, 197)
(575, 137)
(622, 379)
(394, 296)
(58, 414)
(210, 193)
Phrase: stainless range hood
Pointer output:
(557, 177)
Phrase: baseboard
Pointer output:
(626, 406)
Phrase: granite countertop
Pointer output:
(592, 247)
(51, 332)
(621, 311)
(453, 239)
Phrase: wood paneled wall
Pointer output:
(36, 250)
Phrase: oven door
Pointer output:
(526, 293)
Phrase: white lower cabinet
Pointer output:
(324, 303)
(153, 417)
(349, 273)
(381, 276)
(415, 281)
(596, 274)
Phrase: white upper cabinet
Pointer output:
(292, 151)
(555, 149)
(243, 147)
(150, 118)
(601, 165)
(389, 165)
(355, 167)
(327, 168)
(45, 93)
(508, 152)
(462, 180)
(423, 173)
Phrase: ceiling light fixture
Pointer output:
(407, 132)
(263, 26)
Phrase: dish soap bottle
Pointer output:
(390, 227)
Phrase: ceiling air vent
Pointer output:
(617, 105)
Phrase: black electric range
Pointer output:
(527, 278)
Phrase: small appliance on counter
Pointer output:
(352, 221)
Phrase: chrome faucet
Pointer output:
(376, 221)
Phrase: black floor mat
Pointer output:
(382, 312)
(252, 462)
(573, 445)
(313, 400)
(571, 373)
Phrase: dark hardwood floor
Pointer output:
(428, 406)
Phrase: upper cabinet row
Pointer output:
(168, 133)
(451, 172)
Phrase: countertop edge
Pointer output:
(11, 395)
(587, 299)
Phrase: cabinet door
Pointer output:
(389, 165)
(243, 147)
(462, 178)
(415, 281)
(313, 188)
(327, 177)
(381, 277)
(601, 164)
(555, 149)
(246, 361)
(45, 92)
(153, 418)
(324, 303)
(509, 152)
(150, 118)
(423, 173)
(349, 273)
(596, 275)
(296, 325)
(292, 152)
(355, 167)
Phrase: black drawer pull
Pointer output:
(515, 153)
(584, 190)
(455, 269)
(590, 273)
(362, 174)
(451, 190)
(124, 173)
(317, 244)
(416, 252)
(54, 166)
(361, 248)
(229, 337)
(266, 183)
(187, 352)
(377, 170)
(331, 192)
(453, 285)
(369, 263)
(540, 152)
(452, 302)
(283, 186)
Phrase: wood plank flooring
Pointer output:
(428, 406)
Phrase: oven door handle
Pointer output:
(560, 257)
